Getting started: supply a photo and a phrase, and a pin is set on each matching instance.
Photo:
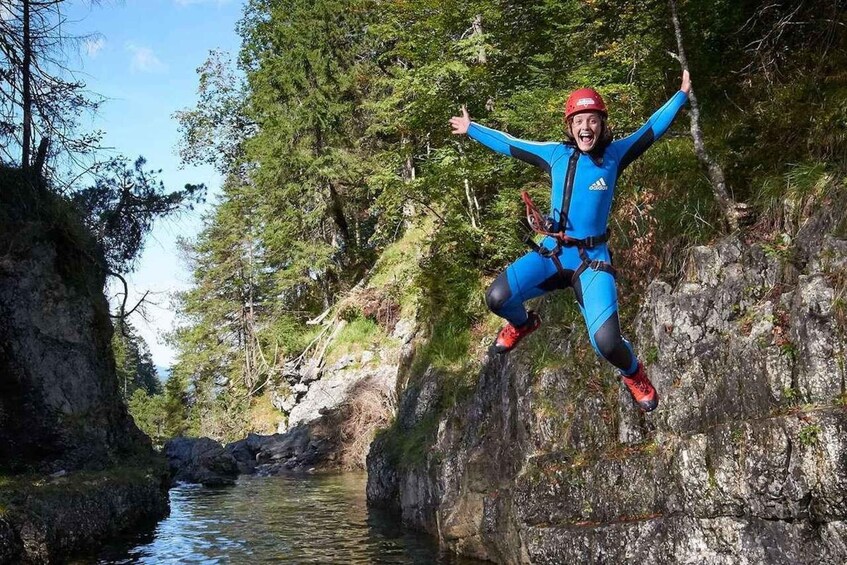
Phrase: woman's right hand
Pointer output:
(460, 124)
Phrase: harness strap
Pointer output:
(596, 264)
(549, 253)
(542, 226)
(567, 190)
(587, 262)
(589, 242)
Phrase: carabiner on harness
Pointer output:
(544, 226)
(537, 222)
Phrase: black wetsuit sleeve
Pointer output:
(631, 147)
(535, 153)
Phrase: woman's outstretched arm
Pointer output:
(532, 152)
(632, 146)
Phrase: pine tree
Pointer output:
(305, 97)
(133, 362)
(337, 140)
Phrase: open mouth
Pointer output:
(586, 136)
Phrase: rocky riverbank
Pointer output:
(745, 461)
(333, 411)
(74, 468)
(47, 519)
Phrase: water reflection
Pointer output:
(314, 519)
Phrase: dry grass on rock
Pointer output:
(369, 408)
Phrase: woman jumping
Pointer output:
(584, 170)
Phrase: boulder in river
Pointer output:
(200, 460)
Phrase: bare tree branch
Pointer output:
(732, 211)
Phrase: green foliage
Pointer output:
(736, 436)
(122, 205)
(357, 334)
(448, 345)
(651, 355)
(150, 415)
(788, 350)
(408, 449)
(31, 211)
(288, 333)
(397, 267)
(133, 362)
(176, 407)
(809, 434)
(213, 133)
(333, 136)
(790, 396)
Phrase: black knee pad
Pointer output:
(498, 293)
(611, 345)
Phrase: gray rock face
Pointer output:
(336, 385)
(205, 461)
(60, 407)
(73, 514)
(244, 452)
(299, 450)
(745, 461)
(200, 460)
(333, 413)
(9, 546)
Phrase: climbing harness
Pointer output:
(544, 226)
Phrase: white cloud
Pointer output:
(144, 60)
(94, 46)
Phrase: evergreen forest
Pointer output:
(331, 129)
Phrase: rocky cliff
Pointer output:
(73, 465)
(333, 408)
(745, 461)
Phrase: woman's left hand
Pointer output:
(686, 82)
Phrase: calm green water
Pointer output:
(313, 519)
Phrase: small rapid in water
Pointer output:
(311, 519)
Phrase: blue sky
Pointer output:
(143, 58)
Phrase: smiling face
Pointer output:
(586, 128)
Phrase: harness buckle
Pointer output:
(548, 253)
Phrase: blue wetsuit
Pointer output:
(580, 201)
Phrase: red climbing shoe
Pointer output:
(641, 389)
(510, 336)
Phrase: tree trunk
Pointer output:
(473, 205)
(26, 73)
(408, 174)
(477, 30)
(337, 209)
(41, 156)
(732, 211)
(336, 203)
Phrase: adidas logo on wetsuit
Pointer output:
(599, 184)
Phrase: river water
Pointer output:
(311, 519)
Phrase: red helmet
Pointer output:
(584, 100)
